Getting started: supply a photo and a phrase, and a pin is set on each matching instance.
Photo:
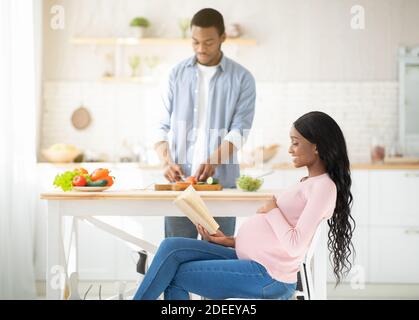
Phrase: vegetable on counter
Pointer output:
(212, 180)
(79, 181)
(191, 180)
(80, 177)
(194, 180)
(98, 174)
(97, 183)
(248, 183)
(65, 180)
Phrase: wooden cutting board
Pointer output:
(183, 186)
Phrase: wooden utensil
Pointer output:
(81, 118)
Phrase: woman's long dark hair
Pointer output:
(321, 130)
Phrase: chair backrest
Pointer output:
(305, 266)
(314, 241)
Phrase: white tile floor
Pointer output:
(374, 291)
(342, 292)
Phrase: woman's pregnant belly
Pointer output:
(255, 238)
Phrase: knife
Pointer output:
(182, 178)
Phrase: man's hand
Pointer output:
(221, 155)
(173, 172)
(219, 237)
(271, 204)
(204, 171)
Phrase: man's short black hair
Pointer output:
(208, 17)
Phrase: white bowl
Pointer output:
(61, 155)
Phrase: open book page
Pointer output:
(191, 204)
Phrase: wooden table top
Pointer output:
(151, 195)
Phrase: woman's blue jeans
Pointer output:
(182, 266)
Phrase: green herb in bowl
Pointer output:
(247, 183)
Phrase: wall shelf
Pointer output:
(118, 43)
(121, 79)
(151, 41)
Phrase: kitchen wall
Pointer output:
(124, 113)
(298, 40)
(307, 57)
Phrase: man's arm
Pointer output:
(172, 171)
(163, 152)
(242, 120)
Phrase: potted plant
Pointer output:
(140, 24)
(184, 25)
(134, 62)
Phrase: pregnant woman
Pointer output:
(263, 260)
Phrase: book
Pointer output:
(192, 205)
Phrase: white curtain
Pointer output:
(18, 191)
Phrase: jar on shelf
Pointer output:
(109, 66)
(378, 150)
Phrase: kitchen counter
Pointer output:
(359, 166)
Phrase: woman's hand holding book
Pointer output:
(219, 237)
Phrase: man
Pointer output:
(208, 111)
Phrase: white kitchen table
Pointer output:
(66, 208)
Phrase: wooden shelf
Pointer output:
(140, 80)
(151, 41)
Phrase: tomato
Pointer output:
(99, 174)
(79, 181)
(109, 179)
(81, 170)
(191, 180)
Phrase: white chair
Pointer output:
(306, 272)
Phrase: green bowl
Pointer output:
(249, 184)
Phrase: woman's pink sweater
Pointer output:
(279, 239)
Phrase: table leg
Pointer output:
(70, 238)
(55, 265)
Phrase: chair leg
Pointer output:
(306, 276)
(305, 282)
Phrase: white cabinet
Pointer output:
(360, 193)
(394, 198)
(394, 254)
(386, 210)
(394, 226)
